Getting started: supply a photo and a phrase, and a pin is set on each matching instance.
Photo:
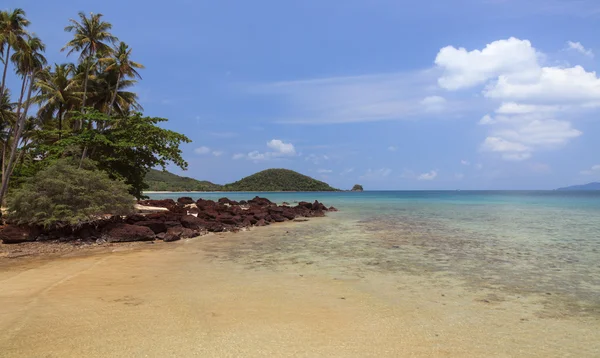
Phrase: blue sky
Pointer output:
(469, 94)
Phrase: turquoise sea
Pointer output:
(543, 243)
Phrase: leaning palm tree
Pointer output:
(108, 97)
(12, 32)
(58, 95)
(91, 36)
(30, 62)
(121, 63)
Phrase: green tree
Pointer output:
(58, 94)
(30, 62)
(12, 32)
(62, 194)
(120, 62)
(91, 36)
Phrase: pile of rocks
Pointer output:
(185, 218)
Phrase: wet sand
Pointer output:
(244, 295)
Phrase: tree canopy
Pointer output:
(85, 110)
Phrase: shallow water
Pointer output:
(541, 243)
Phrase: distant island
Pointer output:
(266, 180)
(584, 187)
(357, 187)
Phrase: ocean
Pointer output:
(543, 243)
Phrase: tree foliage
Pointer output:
(61, 194)
(165, 181)
(278, 180)
(84, 110)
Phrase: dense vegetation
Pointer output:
(64, 194)
(357, 187)
(267, 180)
(278, 180)
(165, 181)
(83, 111)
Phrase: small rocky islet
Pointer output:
(181, 219)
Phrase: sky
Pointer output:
(390, 94)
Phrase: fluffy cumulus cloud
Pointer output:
(536, 103)
(428, 176)
(279, 149)
(578, 47)
(465, 162)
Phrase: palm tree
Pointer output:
(108, 98)
(91, 36)
(122, 64)
(12, 31)
(58, 93)
(30, 63)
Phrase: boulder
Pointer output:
(12, 234)
(260, 201)
(192, 222)
(306, 205)
(155, 225)
(127, 232)
(331, 208)
(214, 227)
(180, 233)
(185, 200)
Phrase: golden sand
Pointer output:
(191, 299)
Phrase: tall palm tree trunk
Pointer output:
(16, 140)
(5, 68)
(114, 96)
(13, 129)
(85, 83)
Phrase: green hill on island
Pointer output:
(158, 180)
(266, 180)
(278, 180)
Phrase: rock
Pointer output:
(289, 214)
(170, 237)
(261, 222)
(181, 232)
(12, 234)
(331, 208)
(260, 201)
(192, 222)
(164, 203)
(127, 232)
(306, 205)
(214, 227)
(357, 187)
(155, 225)
(185, 200)
(278, 218)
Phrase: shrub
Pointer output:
(62, 194)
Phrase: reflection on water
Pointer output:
(525, 243)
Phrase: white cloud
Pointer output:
(578, 47)
(280, 150)
(324, 171)
(392, 148)
(365, 98)
(434, 103)
(535, 99)
(202, 150)
(487, 119)
(281, 147)
(428, 176)
(377, 174)
(462, 69)
(217, 153)
(592, 170)
(459, 176)
(465, 162)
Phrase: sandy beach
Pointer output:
(211, 297)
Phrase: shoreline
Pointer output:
(244, 295)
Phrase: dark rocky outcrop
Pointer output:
(12, 234)
(127, 232)
(184, 219)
